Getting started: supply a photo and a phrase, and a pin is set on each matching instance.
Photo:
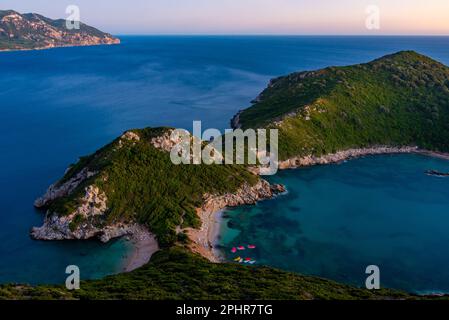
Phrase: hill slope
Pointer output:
(132, 180)
(177, 274)
(33, 31)
(398, 100)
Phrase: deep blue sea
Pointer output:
(59, 104)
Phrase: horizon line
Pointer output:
(277, 35)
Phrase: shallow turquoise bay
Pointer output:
(338, 219)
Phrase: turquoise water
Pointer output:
(57, 105)
(336, 220)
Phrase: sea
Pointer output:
(57, 105)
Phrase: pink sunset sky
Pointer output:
(301, 17)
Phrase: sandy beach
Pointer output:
(145, 245)
(205, 239)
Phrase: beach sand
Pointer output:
(205, 239)
(145, 245)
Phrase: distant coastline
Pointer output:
(32, 31)
(59, 47)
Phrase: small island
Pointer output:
(32, 31)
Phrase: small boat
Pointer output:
(241, 260)
(234, 250)
(248, 259)
(252, 262)
(241, 248)
(437, 173)
(237, 259)
(251, 246)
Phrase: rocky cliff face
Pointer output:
(166, 142)
(247, 194)
(235, 121)
(33, 31)
(81, 223)
(59, 190)
(86, 220)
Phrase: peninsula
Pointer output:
(32, 31)
(397, 103)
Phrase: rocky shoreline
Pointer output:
(85, 221)
(204, 239)
(145, 243)
(343, 155)
(58, 228)
(61, 46)
(82, 223)
(349, 154)
(58, 189)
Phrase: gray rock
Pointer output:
(58, 190)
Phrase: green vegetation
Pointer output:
(400, 99)
(178, 274)
(143, 185)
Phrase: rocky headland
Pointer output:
(32, 31)
(86, 191)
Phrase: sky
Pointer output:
(300, 17)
